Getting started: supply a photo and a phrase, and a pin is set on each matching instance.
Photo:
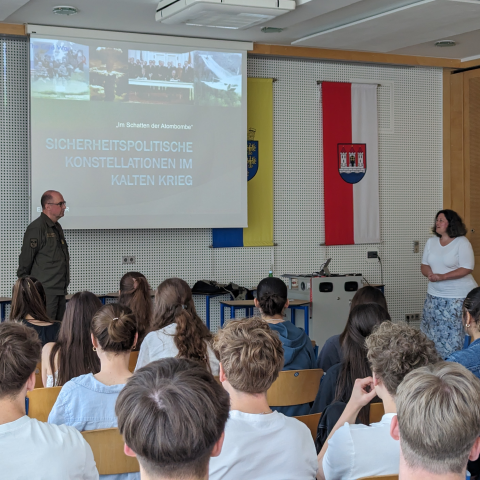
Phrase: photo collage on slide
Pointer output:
(71, 71)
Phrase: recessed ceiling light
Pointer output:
(65, 10)
(445, 43)
(272, 30)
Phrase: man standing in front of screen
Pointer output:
(45, 255)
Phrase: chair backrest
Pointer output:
(380, 477)
(294, 387)
(311, 421)
(132, 363)
(377, 411)
(38, 376)
(41, 401)
(107, 447)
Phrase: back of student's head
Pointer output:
(368, 294)
(135, 294)
(20, 351)
(174, 304)
(438, 417)
(114, 327)
(73, 348)
(471, 305)
(272, 296)
(360, 324)
(395, 349)
(28, 298)
(251, 354)
(171, 413)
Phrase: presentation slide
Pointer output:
(139, 136)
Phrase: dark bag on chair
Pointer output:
(329, 418)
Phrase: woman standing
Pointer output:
(447, 262)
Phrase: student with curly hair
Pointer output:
(177, 330)
(447, 262)
(354, 450)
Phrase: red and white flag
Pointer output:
(350, 163)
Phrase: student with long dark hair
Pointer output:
(87, 402)
(331, 352)
(135, 294)
(297, 347)
(177, 330)
(337, 384)
(72, 355)
(29, 306)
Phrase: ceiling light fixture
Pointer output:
(64, 10)
(445, 43)
(272, 30)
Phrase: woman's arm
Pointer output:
(46, 350)
(453, 275)
(426, 270)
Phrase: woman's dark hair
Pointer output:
(471, 304)
(114, 326)
(369, 294)
(135, 294)
(29, 299)
(361, 322)
(174, 304)
(456, 227)
(272, 295)
(74, 346)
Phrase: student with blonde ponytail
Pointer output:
(87, 402)
(177, 330)
(135, 294)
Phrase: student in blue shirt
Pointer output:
(470, 357)
(87, 402)
(297, 347)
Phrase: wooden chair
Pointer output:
(294, 387)
(311, 421)
(38, 376)
(376, 412)
(380, 477)
(132, 363)
(41, 401)
(107, 447)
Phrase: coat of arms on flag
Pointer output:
(352, 161)
(252, 154)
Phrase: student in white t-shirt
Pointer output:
(447, 262)
(259, 443)
(29, 448)
(352, 450)
(176, 329)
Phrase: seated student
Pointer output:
(172, 415)
(356, 451)
(135, 294)
(337, 384)
(297, 347)
(331, 352)
(438, 422)
(251, 357)
(29, 448)
(88, 402)
(72, 355)
(29, 305)
(470, 357)
(177, 330)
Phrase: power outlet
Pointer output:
(128, 259)
(412, 317)
(372, 255)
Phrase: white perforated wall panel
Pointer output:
(410, 116)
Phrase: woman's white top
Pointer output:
(160, 344)
(457, 254)
(51, 381)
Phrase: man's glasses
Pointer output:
(60, 204)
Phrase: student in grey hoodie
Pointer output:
(298, 351)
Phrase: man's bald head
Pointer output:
(47, 197)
